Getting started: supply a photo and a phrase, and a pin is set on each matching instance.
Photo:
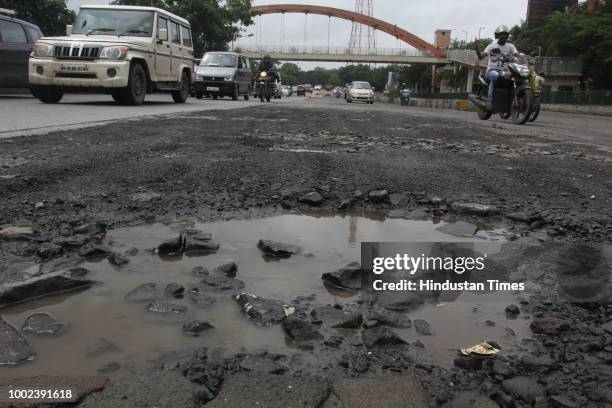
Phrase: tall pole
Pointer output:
(480, 29)
(328, 32)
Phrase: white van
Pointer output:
(126, 51)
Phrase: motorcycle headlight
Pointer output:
(264, 74)
(42, 50)
(229, 78)
(114, 53)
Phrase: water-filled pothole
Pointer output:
(102, 327)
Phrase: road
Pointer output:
(24, 115)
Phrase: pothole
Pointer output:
(102, 328)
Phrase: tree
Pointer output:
(290, 73)
(576, 34)
(214, 23)
(51, 16)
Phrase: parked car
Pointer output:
(127, 51)
(300, 91)
(360, 91)
(223, 74)
(16, 40)
(308, 88)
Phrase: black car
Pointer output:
(16, 40)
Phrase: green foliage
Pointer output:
(290, 73)
(578, 34)
(214, 23)
(462, 45)
(51, 16)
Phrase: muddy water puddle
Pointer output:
(102, 327)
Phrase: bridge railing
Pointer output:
(548, 65)
(332, 50)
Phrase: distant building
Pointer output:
(442, 39)
(539, 10)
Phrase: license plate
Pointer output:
(74, 68)
(212, 88)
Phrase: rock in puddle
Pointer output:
(91, 250)
(166, 308)
(337, 318)
(348, 277)
(380, 336)
(44, 285)
(474, 209)
(388, 317)
(41, 324)
(313, 199)
(422, 327)
(459, 229)
(221, 283)
(146, 292)
(14, 348)
(263, 312)
(190, 240)
(196, 327)
(117, 259)
(378, 196)
(174, 290)
(94, 228)
(399, 301)
(300, 330)
(228, 269)
(276, 249)
(200, 298)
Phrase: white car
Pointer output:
(126, 51)
(360, 91)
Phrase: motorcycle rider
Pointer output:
(267, 65)
(498, 52)
(405, 92)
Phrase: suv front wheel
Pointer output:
(47, 94)
(134, 93)
(181, 95)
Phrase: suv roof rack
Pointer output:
(8, 12)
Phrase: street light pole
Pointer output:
(480, 29)
(466, 37)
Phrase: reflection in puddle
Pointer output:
(101, 315)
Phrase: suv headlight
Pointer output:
(229, 78)
(114, 53)
(42, 50)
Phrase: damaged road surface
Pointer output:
(212, 258)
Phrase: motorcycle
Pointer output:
(513, 94)
(404, 97)
(265, 85)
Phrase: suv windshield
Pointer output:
(115, 22)
(361, 85)
(219, 60)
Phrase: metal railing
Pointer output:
(548, 65)
(331, 50)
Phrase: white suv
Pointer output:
(127, 51)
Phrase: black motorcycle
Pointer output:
(265, 85)
(513, 94)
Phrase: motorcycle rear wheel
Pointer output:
(520, 114)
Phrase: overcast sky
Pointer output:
(420, 17)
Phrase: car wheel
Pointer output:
(247, 95)
(134, 93)
(215, 96)
(181, 95)
(47, 94)
(236, 93)
(199, 95)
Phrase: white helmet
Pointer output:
(501, 29)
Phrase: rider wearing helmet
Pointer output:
(498, 52)
(267, 65)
